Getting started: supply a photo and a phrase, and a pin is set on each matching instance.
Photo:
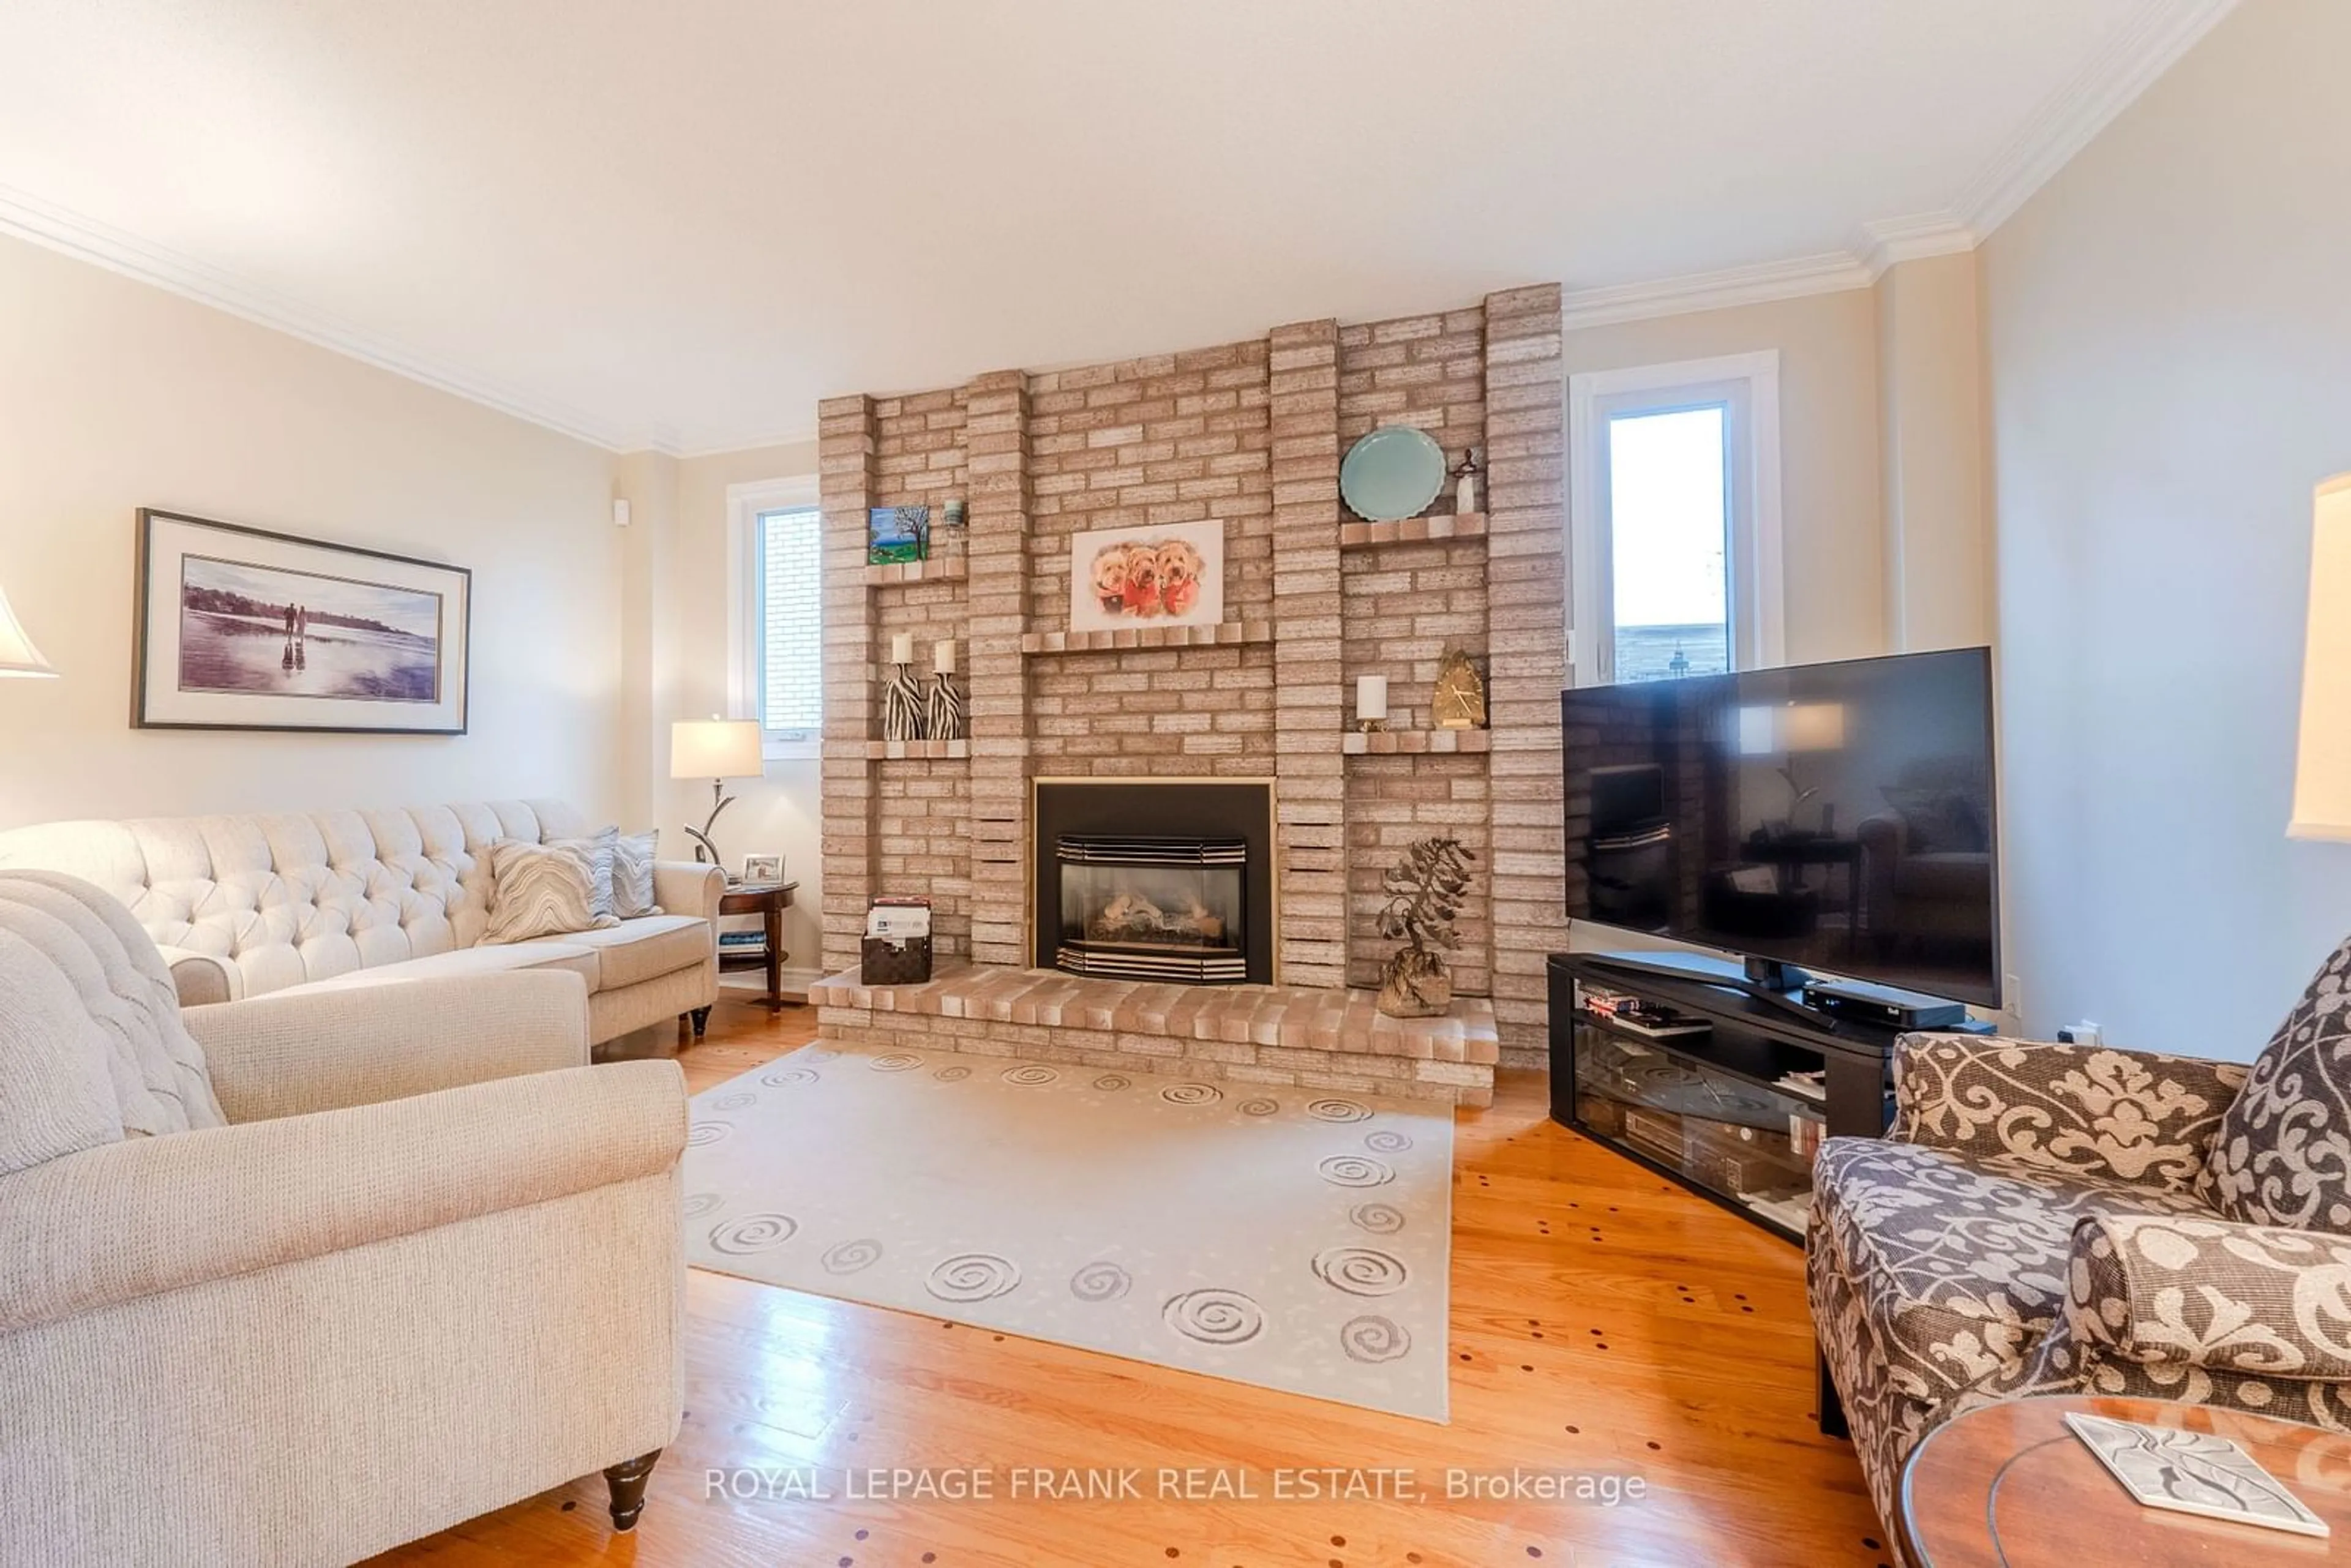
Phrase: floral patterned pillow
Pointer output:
(2284, 1154)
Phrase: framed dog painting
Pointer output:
(1170, 575)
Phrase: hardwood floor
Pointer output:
(1604, 1323)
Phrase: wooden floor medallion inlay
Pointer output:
(1602, 1324)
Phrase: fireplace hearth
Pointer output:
(1169, 882)
(1153, 908)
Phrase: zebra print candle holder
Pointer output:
(944, 711)
(904, 714)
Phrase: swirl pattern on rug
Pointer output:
(1112, 1081)
(1361, 1270)
(1379, 1219)
(741, 1101)
(895, 1061)
(1354, 1170)
(1387, 1143)
(701, 1203)
(1260, 1106)
(1374, 1339)
(1100, 1281)
(1214, 1316)
(849, 1257)
(972, 1277)
(1032, 1075)
(701, 1135)
(1329, 1109)
(1191, 1094)
(956, 1073)
(788, 1077)
(754, 1233)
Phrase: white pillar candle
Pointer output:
(1372, 697)
(902, 648)
(943, 656)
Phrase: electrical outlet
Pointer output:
(2083, 1033)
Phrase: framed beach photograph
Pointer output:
(1169, 575)
(237, 628)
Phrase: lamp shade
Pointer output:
(2322, 774)
(715, 748)
(17, 654)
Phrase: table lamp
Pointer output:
(17, 654)
(717, 750)
(2322, 774)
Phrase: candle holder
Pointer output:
(944, 709)
(904, 709)
(1369, 724)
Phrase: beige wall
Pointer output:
(1829, 498)
(1931, 466)
(2168, 328)
(115, 395)
(776, 814)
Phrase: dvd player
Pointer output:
(1882, 1006)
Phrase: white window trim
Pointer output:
(1749, 385)
(745, 502)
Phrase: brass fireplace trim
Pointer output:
(1273, 842)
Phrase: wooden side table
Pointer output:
(2010, 1486)
(768, 901)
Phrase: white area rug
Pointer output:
(1281, 1237)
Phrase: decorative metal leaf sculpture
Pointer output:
(1425, 890)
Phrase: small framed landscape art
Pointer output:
(236, 628)
(763, 868)
(896, 535)
(1172, 574)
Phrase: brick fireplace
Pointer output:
(1250, 433)
(1154, 878)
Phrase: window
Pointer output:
(1675, 519)
(776, 623)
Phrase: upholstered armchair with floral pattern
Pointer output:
(2049, 1219)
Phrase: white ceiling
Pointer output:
(679, 224)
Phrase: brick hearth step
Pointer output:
(1293, 1035)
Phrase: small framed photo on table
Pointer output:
(763, 868)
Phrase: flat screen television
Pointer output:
(1836, 817)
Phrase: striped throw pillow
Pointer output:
(632, 874)
(540, 890)
(601, 848)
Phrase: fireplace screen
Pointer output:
(1153, 908)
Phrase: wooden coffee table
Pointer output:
(2010, 1486)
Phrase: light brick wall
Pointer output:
(1173, 438)
(1251, 433)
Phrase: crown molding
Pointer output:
(1887, 242)
(1831, 272)
(2127, 66)
(85, 239)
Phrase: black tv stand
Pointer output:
(1713, 1111)
(1698, 968)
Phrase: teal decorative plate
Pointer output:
(1391, 473)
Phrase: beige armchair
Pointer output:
(297, 1279)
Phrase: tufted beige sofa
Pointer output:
(249, 906)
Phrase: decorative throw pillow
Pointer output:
(632, 874)
(2283, 1153)
(540, 890)
(601, 848)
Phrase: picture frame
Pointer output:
(1167, 574)
(237, 628)
(897, 535)
(763, 868)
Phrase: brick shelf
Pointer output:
(1359, 534)
(903, 572)
(901, 750)
(1414, 742)
(1228, 634)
